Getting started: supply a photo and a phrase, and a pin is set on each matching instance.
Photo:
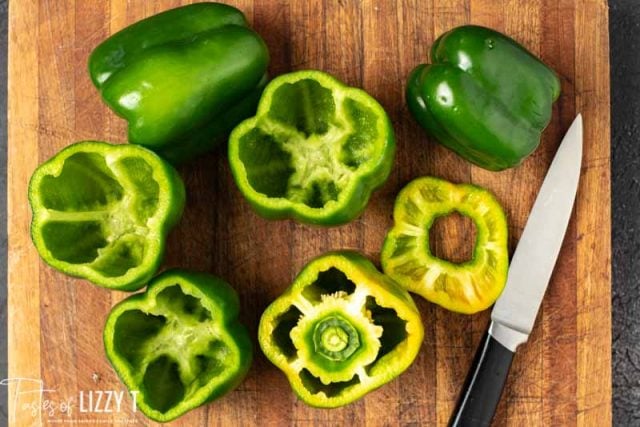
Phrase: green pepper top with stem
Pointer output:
(341, 330)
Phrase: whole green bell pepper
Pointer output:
(341, 330)
(179, 344)
(466, 287)
(183, 78)
(484, 96)
(315, 151)
(102, 212)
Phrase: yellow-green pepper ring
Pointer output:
(467, 287)
(346, 286)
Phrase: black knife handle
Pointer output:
(483, 387)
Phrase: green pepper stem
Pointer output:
(335, 338)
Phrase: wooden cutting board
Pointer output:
(562, 376)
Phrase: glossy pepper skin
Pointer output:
(341, 330)
(314, 152)
(466, 287)
(102, 212)
(179, 344)
(484, 96)
(183, 78)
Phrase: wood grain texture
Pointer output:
(561, 377)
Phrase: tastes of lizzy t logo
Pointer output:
(30, 399)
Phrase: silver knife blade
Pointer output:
(532, 264)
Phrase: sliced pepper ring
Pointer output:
(341, 330)
(315, 151)
(102, 212)
(179, 344)
(466, 287)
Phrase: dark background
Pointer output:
(624, 22)
(624, 32)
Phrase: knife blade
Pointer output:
(532, 264)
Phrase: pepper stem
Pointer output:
(335, 338)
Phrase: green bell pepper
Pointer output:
(484, 96)
(466, 287)
(102, 212)
(179, 344)
(341, 330)
(315, 151)
(183, 78)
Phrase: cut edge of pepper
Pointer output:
(135, 277)
(282, 207)
(235, 371)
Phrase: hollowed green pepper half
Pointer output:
(466, 287)
(315, 151)
(484, 96)
(102, 212)
(341, 330)
(183, 78)
(179, 344)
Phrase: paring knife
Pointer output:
(515, 310)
